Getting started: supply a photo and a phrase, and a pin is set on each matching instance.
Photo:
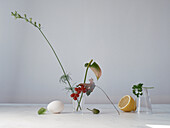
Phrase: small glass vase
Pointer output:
(78, 106)
(144, 102)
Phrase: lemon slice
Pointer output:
(127, 104)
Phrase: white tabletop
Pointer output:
(25, 116)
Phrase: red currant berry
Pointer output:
(76, 89)
(78, 92)
(72, 95)
(82, 87)
(75, 98)
(77, 95)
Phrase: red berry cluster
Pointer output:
(80, 88)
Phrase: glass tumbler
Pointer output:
(144, 102)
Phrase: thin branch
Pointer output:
(108, 99)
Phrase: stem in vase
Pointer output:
(84, 83)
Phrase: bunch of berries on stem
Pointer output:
(79, 89)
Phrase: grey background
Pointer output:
(128, 38)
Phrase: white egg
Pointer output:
(55, 107)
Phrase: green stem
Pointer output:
(108, 99)
(89, 109)
(87, 70)
(57, 59)
(84, 82)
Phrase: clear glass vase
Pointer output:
(144, 102)
(78, 105)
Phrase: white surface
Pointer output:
(25, 116)
(128, 38)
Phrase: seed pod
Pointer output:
(30, 20)
(19, 16)
(15, 13)
(94, 110)
(35, 24)
(12, 13)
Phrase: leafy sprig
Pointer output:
(137, 90)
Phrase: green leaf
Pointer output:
(86, 64)
(137, 94)
(41, 111)
(140, 85)
(96, 69)
(140, 89)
